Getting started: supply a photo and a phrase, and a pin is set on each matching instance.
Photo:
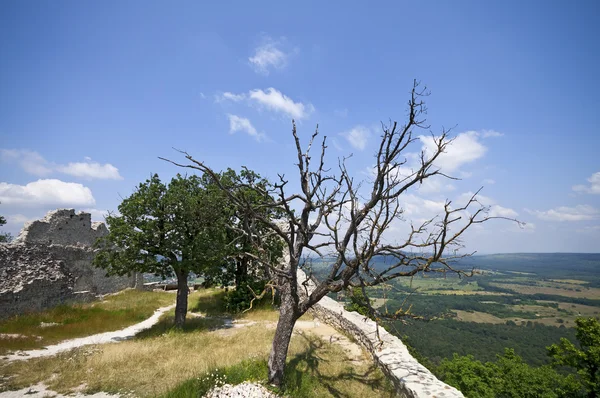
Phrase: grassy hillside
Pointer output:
(214, 347)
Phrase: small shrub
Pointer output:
(239, 299)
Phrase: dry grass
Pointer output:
(570, 281)
(540, 310)
(114, 312)
(584, 292)
(479, 317)
(159, 361)
(147, 366)
(580, 309)
(467, 293)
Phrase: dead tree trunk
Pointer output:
(181, 304)
(281, 341)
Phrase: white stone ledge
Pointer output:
(411, 379)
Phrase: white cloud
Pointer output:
(495, 210)
(49, 192)
(491, 133)
(357, 137)
(91, 170)
(271, 99)
(594, 187)
(277, 101)
(18, 219)
(34, 163)
(527, 227)
(227, 96)
(564, 213)
(415, 206)
(590, 229)
(31, 162)
(499, 211)
(435, 185)
(489, 181)
(237, 123)
(465, 148)
(336, 144)
(270, 55)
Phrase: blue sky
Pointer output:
(92, 93)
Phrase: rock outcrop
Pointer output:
(50, 263)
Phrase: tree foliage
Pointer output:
(168, 230)
(586, 358)
(508, 377)
(5, 237)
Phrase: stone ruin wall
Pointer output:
(50, 263)
(411, 379)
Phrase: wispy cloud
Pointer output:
(35, 164)
(490, 133)
(279, 102)
(593, 188)
(237, 123)
(465, 148)
(227, 96)
(30, 161)
(270, 54)
(91, 170)
(495, 210)
(357, 137)
(270, 99)
(565, 213)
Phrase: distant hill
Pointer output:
(551, 265)
(546, 265)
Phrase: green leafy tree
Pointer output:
(508, 377)
(4, 236)
(244, 267)
(168, 230)
(586, 359)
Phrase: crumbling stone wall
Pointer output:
(50, 263)
(63, 227)
(411, 379)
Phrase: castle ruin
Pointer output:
(50, 263)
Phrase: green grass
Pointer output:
(77, 320)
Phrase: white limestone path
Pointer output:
(41, 391)
(100, 338)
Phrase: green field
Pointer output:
(520, 301)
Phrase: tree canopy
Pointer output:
(4, 236)
(168, 230)
(508, 377)
(586, 358)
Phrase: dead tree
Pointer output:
(334, 215)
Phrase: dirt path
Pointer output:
(100, 338)
(316, 327)
(41, 391)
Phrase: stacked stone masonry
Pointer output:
(50, 263)
(411, 379)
